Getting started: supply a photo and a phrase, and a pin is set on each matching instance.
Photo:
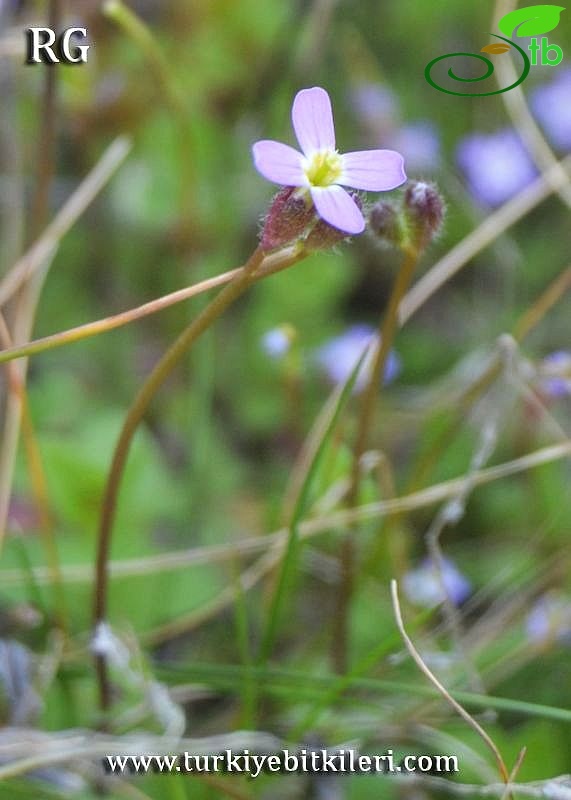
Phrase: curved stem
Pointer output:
(417, 658)
(134, 417)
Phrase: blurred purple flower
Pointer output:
(551, 104)
(374, 105)
(422, 585)
(549, 620)
(319, 170)
(555, 372)
(22, 515)
(339, 356)
(496, 165)
(419, 144)
(277, 342)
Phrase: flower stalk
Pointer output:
(410, 226)
(159, 374)
(387, 330)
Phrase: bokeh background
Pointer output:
(214, 460)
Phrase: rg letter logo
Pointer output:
(44, 46)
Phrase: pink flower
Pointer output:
(319, 170)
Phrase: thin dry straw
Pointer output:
(441, 272)
(495, 224)
(417, 658)
(181, 559)
(516, 105)
(66, 218)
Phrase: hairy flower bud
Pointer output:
(293, 217)
(320, 170)
(323, 235)
(387, 223)
(424, 208)
(288, 218)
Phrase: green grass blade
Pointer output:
(324, 431)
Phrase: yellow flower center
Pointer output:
(323, 168)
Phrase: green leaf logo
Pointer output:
(531, 21)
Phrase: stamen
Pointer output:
(324, 168)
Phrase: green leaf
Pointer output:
(531, 21)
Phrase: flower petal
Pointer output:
(373, 170)
(279, 163)
(313, 120)
(337, 207)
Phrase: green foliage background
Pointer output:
(213, 461)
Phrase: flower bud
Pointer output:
(288, 218)
(387, 224)
(424, 208)
(292, 216)
(323, 235)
